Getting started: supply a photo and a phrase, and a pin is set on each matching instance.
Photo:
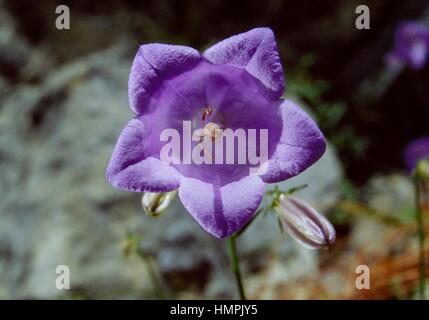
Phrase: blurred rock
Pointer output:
(55, 141)
(13, 49)
(19, 61)
(392, 194)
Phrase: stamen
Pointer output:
(207, 111)
(212, 131)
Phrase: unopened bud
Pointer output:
(304, 223)
(422, 169)
(154, 203)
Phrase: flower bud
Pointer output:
(155, 203)
(422, 169)
(417, 150)
(304, 223)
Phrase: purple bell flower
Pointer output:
(415, 151)
(411, 45)
(235, 84)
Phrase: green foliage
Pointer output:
(348, 192)
(329, 114)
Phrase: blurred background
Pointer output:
(63, 103)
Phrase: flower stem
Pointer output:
(235, 265)
(156, 282)
(421, 236)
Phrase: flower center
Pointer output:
(207, 112)
(211, 130)
(209, 125)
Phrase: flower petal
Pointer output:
(133, 168)
(256, 51)
(222, 210)
(418, 55)
(415, 151)
(153, 63)
(301, 144)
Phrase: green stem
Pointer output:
(235, 265)
(156, 282)
(421, 236)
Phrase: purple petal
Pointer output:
(132, 167)
(154, 63)
(412, 43)
(222, 210)
(256, 51)
(301, 144)
(415, 151)
(418, 55)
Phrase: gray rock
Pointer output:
(390, 194)
(19, 61)
(55, 141)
